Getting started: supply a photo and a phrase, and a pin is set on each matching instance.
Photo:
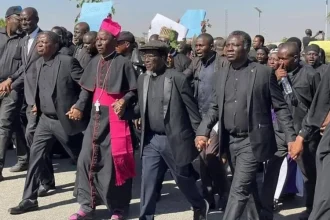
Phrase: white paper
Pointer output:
(160, 21)
(216, 127)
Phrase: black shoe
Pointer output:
(304, 215)
(222, 203)
(19, 168)
(44, 189)
(24, 206)
(1, 178)
(158, 197)
(201, 214)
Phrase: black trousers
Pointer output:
(156, 157)
(212, 171)
(307, 166)
(47, 132)
(321, 207)
(243, 191)
(269, 185)
(9, 112)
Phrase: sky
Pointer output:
(280, 18)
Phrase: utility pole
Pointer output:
(259, 13)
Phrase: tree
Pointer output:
(205, 23)
(2, 22)
(284, 39)
(81, 2)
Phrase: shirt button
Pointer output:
(236, 79)
(235, 101)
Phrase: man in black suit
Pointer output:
(243, 95)
(169, 115)
(57, 92)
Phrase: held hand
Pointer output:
(34, 110)
(119, 107)
(3, 94)
(137, 123)
(74, 114)
(201, 142)
(6, 86)
(281, 72)
(296, 148)
(325, 123)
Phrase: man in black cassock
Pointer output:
(106, 163)
(57, 92)
(317, 120)
(80, 53)
(312, 57)
(169, 115)
(243, 94)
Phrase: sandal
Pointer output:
(81, 215)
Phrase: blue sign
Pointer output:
(94, 13)
(192, 20)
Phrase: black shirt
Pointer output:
(235, 101)
(155, 104)
(46, 83)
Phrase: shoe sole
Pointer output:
(27, 210)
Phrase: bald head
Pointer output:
(80, 30)
(29, 20)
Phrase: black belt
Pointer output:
(54, 117)
(239, 135)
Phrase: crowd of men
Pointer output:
(100, 96)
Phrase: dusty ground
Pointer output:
(61, 203)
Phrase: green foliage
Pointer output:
(284, 39)
(173, 40)
(2, 22)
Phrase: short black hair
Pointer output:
(208, 38)
(265, 49)
(92, 34)
(295, 40)
(291, 47)
(53, 37)
(262, 39)
(245, 36)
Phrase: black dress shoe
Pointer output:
(19, 168)
(201, 214)
(44, 189)
(1, 178)
(222, 203)
(304, 215)
(24, 206)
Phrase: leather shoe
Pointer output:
(222, 203)
(201, 214)
(24, 206)
(18, 168)
(1, 178)
(44, 189)
(304, 215)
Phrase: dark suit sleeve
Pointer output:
(132, 112)
(212, 116)
(189, 72)
(319, 108)
(76, 70)
(18, 78)
(281, 109)
(131, 77)
(190, 103)
(84, 98)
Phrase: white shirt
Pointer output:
(32, 36)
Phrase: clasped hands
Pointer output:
(119, 107)
(5, 87)
(74, 114)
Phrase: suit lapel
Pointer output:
(223, 79)
(56, 65)
(252, 71)
(168, 83)
(30, 54)
(145, 92)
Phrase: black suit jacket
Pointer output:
(27, 73)
(263, 93)
(65, 92)
(181, 116)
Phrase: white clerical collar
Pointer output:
(34, 33)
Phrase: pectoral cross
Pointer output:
(97, 106)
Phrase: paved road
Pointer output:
(61, 204)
